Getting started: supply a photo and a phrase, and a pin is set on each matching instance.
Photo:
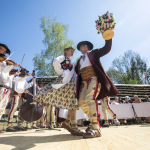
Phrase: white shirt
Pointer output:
(6, 79)
(6, 68)
(86, 62)
(20, 84)
(66, 74)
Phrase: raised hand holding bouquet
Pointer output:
(106, 25)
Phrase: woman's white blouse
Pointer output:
(66, 74)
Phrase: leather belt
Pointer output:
(87, 72)
(5, 86)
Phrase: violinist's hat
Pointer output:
(7, 49)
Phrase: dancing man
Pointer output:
(92, 83)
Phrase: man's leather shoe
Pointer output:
(35, 127)
(92, 133)
(21, 129)
(10, 129)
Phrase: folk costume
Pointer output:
(61, 91)
(93, 84)
(106, 109)
(5, 86)
(20, 84)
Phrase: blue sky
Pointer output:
(20, 25)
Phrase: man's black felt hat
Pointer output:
(7, 49)
(85, 43)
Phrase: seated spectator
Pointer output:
(127, 100)
(41, 85)
(117, 99)
(114, 103)
(120, 101)
(146, 99)
(136, 99)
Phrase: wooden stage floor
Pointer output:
(132, 137)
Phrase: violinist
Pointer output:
(20, 86)
(21, 102)
(6, 66)
(5, 90)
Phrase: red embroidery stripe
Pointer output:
(110, 108)
(94, 98)
(11, 109)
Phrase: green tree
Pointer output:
(128, 69)
(55, 40)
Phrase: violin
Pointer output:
(10, 62)
(4, 58)
(13, 71)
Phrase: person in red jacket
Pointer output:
(92, 83)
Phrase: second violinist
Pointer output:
(20, 86)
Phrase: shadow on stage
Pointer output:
(146, 125)
(27, 142)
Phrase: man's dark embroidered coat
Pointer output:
(107, 86)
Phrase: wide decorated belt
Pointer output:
(87, 72)
(5, 86)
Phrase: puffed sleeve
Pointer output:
(6, 68)
(57, 65)
(19, 79)
(28, 85)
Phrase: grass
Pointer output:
(4, 122)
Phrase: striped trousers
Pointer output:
(15, 102)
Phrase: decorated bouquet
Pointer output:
(66, 65)
(105, 22)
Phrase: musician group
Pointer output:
(79, 85)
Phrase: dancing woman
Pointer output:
(61, 91)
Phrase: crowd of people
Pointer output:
(127, 99)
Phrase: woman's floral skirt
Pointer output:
(64, 97)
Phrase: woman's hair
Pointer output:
(67, 48)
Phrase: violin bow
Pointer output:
(21, 62)
(9, 55)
